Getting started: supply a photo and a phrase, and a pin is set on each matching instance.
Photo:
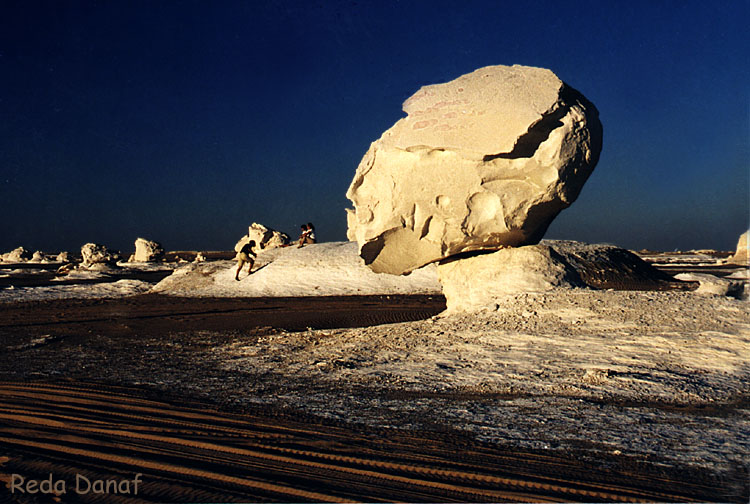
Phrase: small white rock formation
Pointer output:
(264, 237)
(473, 283)
(742, 255)
(146, 251)
(63, 257)
(711, 285)
(199, 257)
(484, 161)
(94, 253)
(38, 257)
(17, 255)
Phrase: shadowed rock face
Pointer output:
(484, 161)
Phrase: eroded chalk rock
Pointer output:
(742, 255)
(93, 253)
(484, 161)
(265, 238)
(17, 255)
(38, 257)
(146, 251)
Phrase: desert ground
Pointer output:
(338, 387)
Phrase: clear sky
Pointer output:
(185, 121)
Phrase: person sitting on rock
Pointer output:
(308, 235)
(245, 255)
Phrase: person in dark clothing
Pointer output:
(245, 255)
(308, 235)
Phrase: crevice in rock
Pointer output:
(528, 143)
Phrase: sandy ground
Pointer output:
(572, 394)
(643, 417)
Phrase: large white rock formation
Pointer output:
(264, 238)
(147, 251)
(742, 254)
(94, 253)
(484, 161)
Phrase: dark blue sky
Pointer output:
(185, 121)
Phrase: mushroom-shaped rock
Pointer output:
(484, 161)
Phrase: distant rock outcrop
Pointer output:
(38, 257)
(484, 161)
(742, 255)
(147, 251)
(711, 285)
(265, 238)
(476, 282)
(17, 255)
(94, 253)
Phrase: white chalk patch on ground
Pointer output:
(324, 269)
(119, 288)
(571, 364)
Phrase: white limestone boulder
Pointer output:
(264, 238)
(94, 253)
(484, 161)
(742, 254)
(147, 251)
(63, 257)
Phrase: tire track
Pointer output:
(195, 453)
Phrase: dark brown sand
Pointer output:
(190, 452)
(64, 411)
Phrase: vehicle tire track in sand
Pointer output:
(190, 453)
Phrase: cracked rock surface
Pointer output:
(484, 161)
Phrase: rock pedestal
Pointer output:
(474, 283)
